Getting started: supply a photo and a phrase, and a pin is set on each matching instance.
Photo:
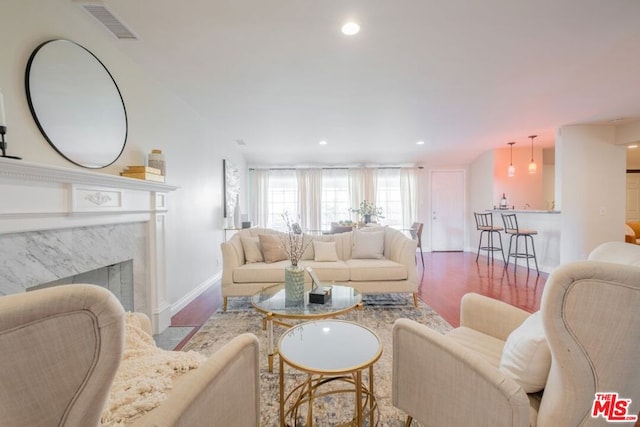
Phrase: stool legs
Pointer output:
(524, 254)
(490, 248)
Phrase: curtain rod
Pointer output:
(336, 168)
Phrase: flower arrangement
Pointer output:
(293, 240)
(367, 208)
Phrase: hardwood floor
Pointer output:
(446, 277)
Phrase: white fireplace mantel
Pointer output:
(38, 198)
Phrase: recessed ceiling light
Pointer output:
(633, 146)
(350, 28)
(420, 143)
(323, 142)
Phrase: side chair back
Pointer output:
(416, 234)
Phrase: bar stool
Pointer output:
(511, 228)
(484, 223)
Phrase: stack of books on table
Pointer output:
(143, 172)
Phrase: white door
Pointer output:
(447, 210)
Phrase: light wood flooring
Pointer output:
(445, 278)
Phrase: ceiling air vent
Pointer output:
(103, 15)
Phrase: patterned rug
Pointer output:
(380, 311)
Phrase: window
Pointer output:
(335, 202)
(282, 197)
(388, 196)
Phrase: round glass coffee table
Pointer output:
(328, 351)
(270, 301)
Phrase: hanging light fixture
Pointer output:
(511, 170)
(532, 165)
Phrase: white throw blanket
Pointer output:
(145, 375)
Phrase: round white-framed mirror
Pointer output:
(76, 103)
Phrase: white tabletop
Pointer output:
(330, 346)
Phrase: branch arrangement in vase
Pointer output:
(293, 240)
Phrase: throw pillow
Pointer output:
(272, 249)
(367, 245)
(252, 251)
(526, 356)
(324, 251)
(308, 252)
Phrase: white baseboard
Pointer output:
(185, 300)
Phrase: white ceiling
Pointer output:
(465, 76)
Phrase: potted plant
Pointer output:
(367, 210)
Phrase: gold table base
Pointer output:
(305, 393)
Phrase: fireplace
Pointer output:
(117, 278)
(57, 223)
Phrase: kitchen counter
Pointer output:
(547, 241)
(542, 211)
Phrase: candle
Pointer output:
(3, 119)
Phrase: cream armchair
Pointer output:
(60, 349)
(590, 321)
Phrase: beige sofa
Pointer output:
(394, 273)
(61, 348)
(588, 326)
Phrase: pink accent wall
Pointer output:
(523, 188)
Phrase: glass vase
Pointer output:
(294, 284)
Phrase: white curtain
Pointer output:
(310, 198)
(408, 196)
(259, 196)
(362, 185)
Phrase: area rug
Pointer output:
(380, 311)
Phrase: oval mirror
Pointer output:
(76, 103)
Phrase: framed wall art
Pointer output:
(231, 182)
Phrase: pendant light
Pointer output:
(511, 170)
(532, 165)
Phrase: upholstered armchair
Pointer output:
(60, 349)
(589, 319)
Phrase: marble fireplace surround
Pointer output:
(57, 222)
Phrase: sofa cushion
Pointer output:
(324, 251)
(367, 245)
(260, 272)
(329, 271)
(370, 270)
(526, 356)
(272, 249)
(252, 251)
(308, 245)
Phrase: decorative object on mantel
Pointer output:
(143, 172)
(367, 210)
(294, 246)
(156, 161)
(3, 130)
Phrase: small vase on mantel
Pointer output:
(367, 219)
(294, 285)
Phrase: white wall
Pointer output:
(523, 188)
(480, 185)
(157, 119)
(591, 179)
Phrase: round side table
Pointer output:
(329, 351)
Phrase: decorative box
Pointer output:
(320, 295)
